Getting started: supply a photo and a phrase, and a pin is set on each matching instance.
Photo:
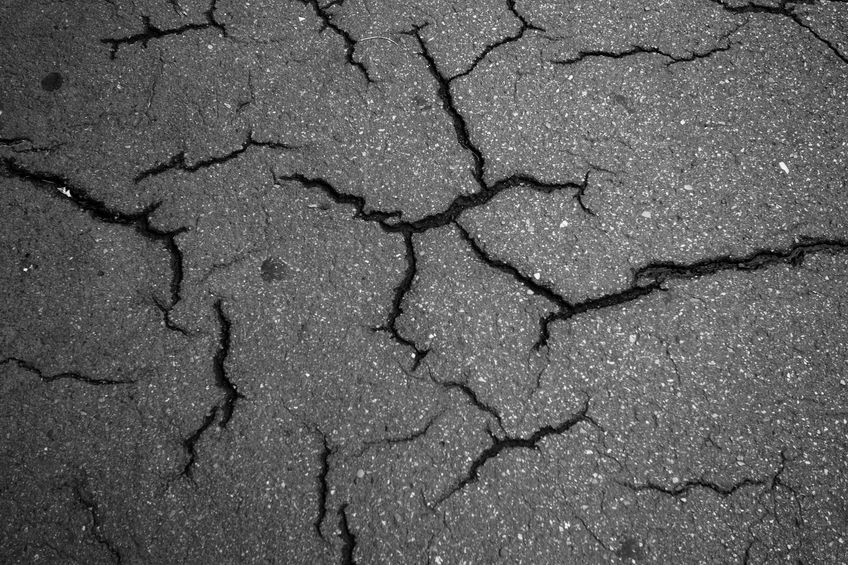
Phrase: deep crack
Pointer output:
(350, 43)
(651, 278)
(347, 537)
(401, 291)
(151, 32)
(97, 209)
(231, 393)
(457, 119)
(323, 486)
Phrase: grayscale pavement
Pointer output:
(431, 282)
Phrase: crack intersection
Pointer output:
(97, 209)
(501, 444)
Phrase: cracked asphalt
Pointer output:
(438, 282)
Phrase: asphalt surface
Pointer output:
(438, 282)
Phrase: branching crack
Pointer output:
(97, 209)
(27, 366)
(150, 32)
(178, 161)
(350, 43)
(226, 405)
(459, 125)
(525, 26)
(785, 8)
(501, 444)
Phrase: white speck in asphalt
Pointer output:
(360, 474)
(646, 214)
(784, 167)
(563, 224)
(537, 276)
(688, 187)
(64, 191)
(632, 338)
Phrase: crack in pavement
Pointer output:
(27, 366)
(470, 394)
(323, 486)
(97, 209)
(151, 32)
(80, 490)
(525, 26)
(448, 105)
(386, 220)
(349, 41)
(231, 393)
(683, 488)
(651, 277)
(226, 405)
(396, 440)
(347, 537)
(724, 45)
(401, 290)
(785, 8)
(533, 285)
(638, 50)
(178, 161)
(190, 444)
(501, 444)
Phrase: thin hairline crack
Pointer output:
(64, 375)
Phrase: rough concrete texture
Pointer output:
(442, 282)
